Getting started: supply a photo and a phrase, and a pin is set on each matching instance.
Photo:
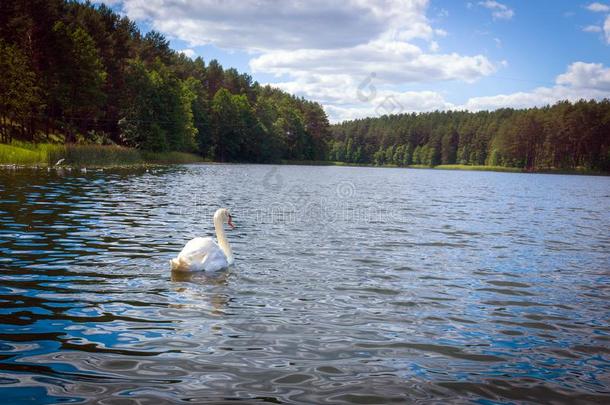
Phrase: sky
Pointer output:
(366, 58)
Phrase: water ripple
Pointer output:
(420, 286)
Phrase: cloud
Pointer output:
(443, 13)
(598, 7)
(338, 78)
(324, 50)
(107, 2)
(189, 53)
(586, 76)
(592, 28)
(499, 11)
(271, 24)
(605, 28)
(581, 81)
(393, 61)
(390, 102)
(357, 57)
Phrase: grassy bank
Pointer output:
(322, 163)
(479, 168)
(48, 154)
(442, 167)
(582, 171)
(44, 154)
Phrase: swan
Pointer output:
(204, 254)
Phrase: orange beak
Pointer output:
(230, 222)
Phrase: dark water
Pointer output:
(351, 285)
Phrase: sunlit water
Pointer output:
(351, 285)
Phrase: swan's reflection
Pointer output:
(193, 290)
(200, 277)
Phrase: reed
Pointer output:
(21, 153)
(171, 157)
(95, 155)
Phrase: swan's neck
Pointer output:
(222, 239)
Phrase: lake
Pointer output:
(351, 285)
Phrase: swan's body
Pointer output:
(204, 254)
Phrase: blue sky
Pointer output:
(365, 58)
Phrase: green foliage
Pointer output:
(85, 72)
(565, 136)
(26, 154)
(229, 116)
(100, 78)
(94, 155)
(23, 153)
(18, 92)
(494, 168)
(78, 78)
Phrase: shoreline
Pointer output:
(31, 155)
(457, 167)
(23, 154)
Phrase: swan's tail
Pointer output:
(177, 264)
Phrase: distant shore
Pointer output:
(88, 155)
(483, 168)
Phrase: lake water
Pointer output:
(351, 285)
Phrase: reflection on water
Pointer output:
(353, 285)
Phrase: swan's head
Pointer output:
(223, 215)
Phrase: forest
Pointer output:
(78, 73)
(563, 136)
(81, 73)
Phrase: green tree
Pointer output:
(449, 145)
(18, 92)
(78, 90)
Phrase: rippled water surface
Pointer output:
(351, 285)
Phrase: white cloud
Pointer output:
(270, 24)
(605, 29)
(339, 78)
(598, 7)
(581, 80)
(499, 11)
(323, 50)
(586, 76)
(394, 62)
(592, 28)
(390, 102)
(354, 56)
(189, 53)
(107, 2)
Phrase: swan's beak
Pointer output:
(230, 222)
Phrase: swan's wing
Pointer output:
(202, 254)
(215, 260)
(196, 249)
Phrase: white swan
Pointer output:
(204, 254)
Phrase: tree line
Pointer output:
(563, 136)
(76, 72)
(89, 75)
